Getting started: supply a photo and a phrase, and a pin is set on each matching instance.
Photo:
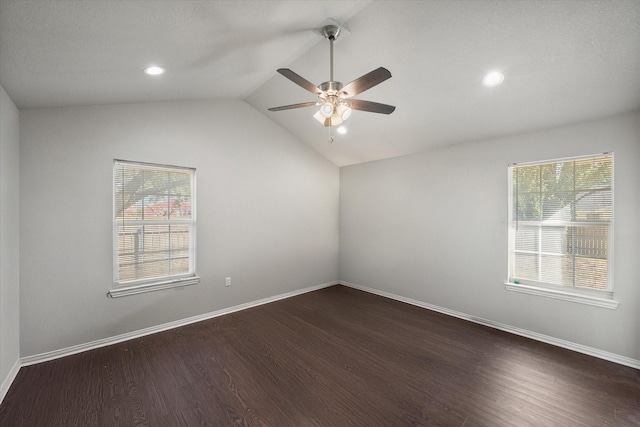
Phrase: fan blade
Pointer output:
(292, 106)
(372, 107)
(365, 82)
(300, 81)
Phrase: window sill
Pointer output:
(155, 286)
(563, 295)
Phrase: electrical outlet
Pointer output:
(227, 281)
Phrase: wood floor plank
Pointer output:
(334, 357)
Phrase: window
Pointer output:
(154, 227)
(560, 228)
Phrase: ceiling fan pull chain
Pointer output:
(330, 136)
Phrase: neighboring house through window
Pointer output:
(154, 227)
(561, 229)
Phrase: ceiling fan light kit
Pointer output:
(333, 96)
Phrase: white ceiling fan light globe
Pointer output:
(344, 112)
(326, 110)
(336, 120)
(319, 117)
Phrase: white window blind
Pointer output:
(154, 224)
(561, 221)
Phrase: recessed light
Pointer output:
(492, 79)
(342, 130)
(154, 70)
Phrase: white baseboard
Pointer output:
(56, 354)
(622, 360)
(4, 388)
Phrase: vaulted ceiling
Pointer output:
(563, 61)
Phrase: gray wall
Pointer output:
(9, 236)
(433, 227)
(267, 212)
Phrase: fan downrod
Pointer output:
(331, 33)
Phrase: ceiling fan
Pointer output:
(334, 98)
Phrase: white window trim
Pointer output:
(149, 285)
(563, 295)
(124, 291)
(596, 298)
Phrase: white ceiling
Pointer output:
(564, 62)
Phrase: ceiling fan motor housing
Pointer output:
(331, 87)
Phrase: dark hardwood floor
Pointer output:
(334, 357)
